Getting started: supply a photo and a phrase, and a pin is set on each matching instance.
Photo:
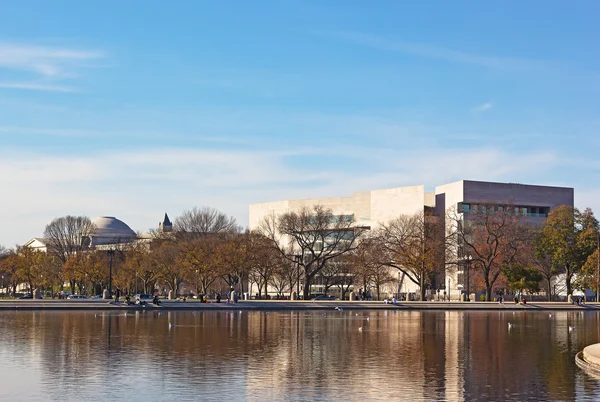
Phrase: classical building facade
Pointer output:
(372, 208)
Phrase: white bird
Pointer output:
(511, 325)
(368, 318)
(550, 315)
(324, 314)
(571, 328)
(171, 325)
(339, 309)
(356, 313)
(360, 329)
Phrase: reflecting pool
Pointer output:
(295, 355)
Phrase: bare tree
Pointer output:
(315, 234)
(414, 244)
(489, 238)
(264, 261)
(68, 235)
(330, 275)
(201, 221)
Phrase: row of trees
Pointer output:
(499, 246)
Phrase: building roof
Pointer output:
(111, 227)
(166, 221)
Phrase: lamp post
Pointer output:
(468, 273)
(449, 290)
(111, 253)
(298, 259)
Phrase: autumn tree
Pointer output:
(9, 265)
(136, 268)
(200, 261)
(89, 269)
(236, 257)
(166, 260)
(489, 238)
(34, 267)
(568, 237)
(541, 259)
(315, 234)
(414, 244)
(523, 278)
(589, 275)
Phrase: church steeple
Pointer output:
(165, 225)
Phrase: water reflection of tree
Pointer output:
(397, 355)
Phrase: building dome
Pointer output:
(109, 229)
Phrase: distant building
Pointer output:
(372, 208)
(110, 230)
(165, 226)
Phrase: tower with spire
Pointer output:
(165, 226)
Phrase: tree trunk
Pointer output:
(488, 292)
(549, 289)
(175, 287)
(306, 290)
(422, 285)
(568, 281)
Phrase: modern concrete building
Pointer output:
(372, 208)
(463, 197)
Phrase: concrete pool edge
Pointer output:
(589, 359)
(41, 305)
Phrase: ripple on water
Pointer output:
(295, 356)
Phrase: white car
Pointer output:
(72, 297)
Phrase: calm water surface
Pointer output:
(235, 355)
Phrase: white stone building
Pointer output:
(372, 208)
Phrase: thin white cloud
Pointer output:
(139, 186)
(47, 65)
(36, 87)
(483, 107)
(44, 60)
(433, 52)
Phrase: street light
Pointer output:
(111, 253)
(449, 290)
(298, 259)
(468, 273)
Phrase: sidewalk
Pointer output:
(283, 305)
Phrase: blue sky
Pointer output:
(137, 109)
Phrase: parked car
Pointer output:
(27, 296)
(143, 298)
(324, 297)
(72, 297)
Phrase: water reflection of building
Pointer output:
(403, 355)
